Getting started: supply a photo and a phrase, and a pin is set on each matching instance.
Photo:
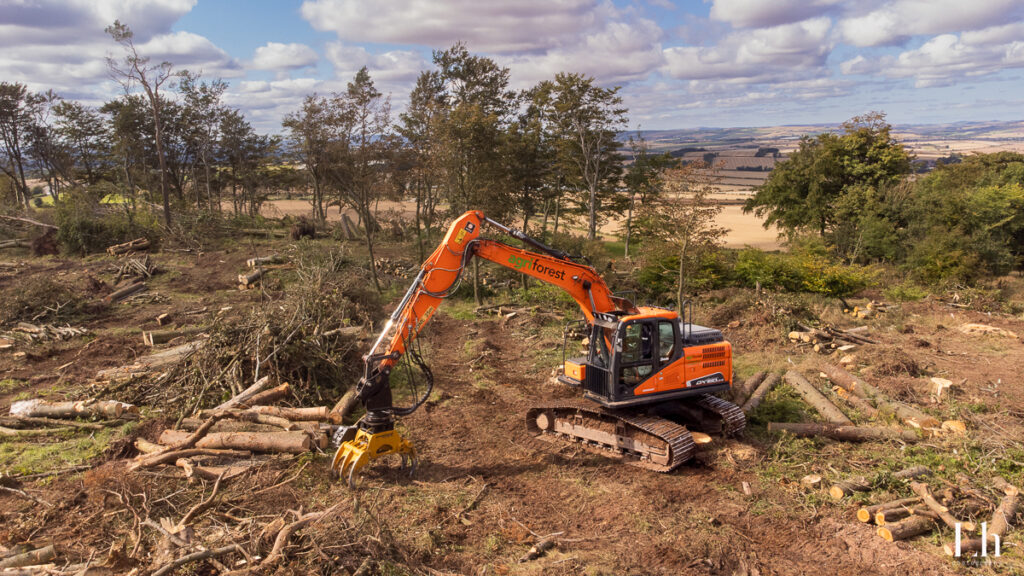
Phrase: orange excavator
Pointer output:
(648, 377)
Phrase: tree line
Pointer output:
(858, 192)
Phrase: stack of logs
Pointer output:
(954, 508)
(221, 441)
(830, 340)
(140, 267)
(870, 310)
(43, 332)
(396, 267)
(133, 246)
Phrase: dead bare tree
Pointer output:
(132, 69)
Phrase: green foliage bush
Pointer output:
(800, 271)
(87, 226)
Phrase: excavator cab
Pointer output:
(650, 357)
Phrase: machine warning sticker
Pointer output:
(470, 227)
(460, 236)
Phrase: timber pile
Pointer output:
(30, 333)
(136, 267)
(830, 340)
(133, 246)
(870, 310)
(928, 510)
(235, 430)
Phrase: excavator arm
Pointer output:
(439, 276)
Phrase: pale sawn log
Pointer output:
(345, 406)
(275, 394)
(816, 399)
(278, 442)
(311, 414)
(856, 402)
(861, 388)
(250, 278)
(38, 408)
(839, 490)
(845, 433)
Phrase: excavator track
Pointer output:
(732, 416)
(644, 441)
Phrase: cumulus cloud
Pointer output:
(767, 13)
(61, 45)
(774, 54)
(278, 56)
(896, 21)
(947, 58)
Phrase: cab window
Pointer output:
(666, 340)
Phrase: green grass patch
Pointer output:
(29, 456)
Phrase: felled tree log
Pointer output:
(846, 433)
(15, 243)
(743, 391)
(100, 409)
(252, 422)
(23, 421)
(310, 414)
(154, 337)
(760, 393)
(286, 442)
(250, 278)
(137, 244)
(926, 496)
(861, 388)
(856, 402)
(146, 447)
(816, 399)
(169, 456)
(268, 396)
(867, 513)
(26, 432)
(260, 261)
(908, 528)
(849, 486)
(30, 558)
(125, 292)
(246, 394)
(883, 517)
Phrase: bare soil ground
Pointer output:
(485, 491)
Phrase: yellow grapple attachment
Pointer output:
(365, 448)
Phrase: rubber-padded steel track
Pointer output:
(733, 418)
(645, 441)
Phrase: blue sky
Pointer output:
(680, 64)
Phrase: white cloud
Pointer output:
(496, 27)
(278, 56)
(61, 45)
(775, 54)
(898, 20)
(766, 13)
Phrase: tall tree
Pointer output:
(367, 160)
(419, 128)
(86, 139)
(313, 136)
(133, 69)
(203, 111)
(589, 119)
(804, 191)
(17, 112)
